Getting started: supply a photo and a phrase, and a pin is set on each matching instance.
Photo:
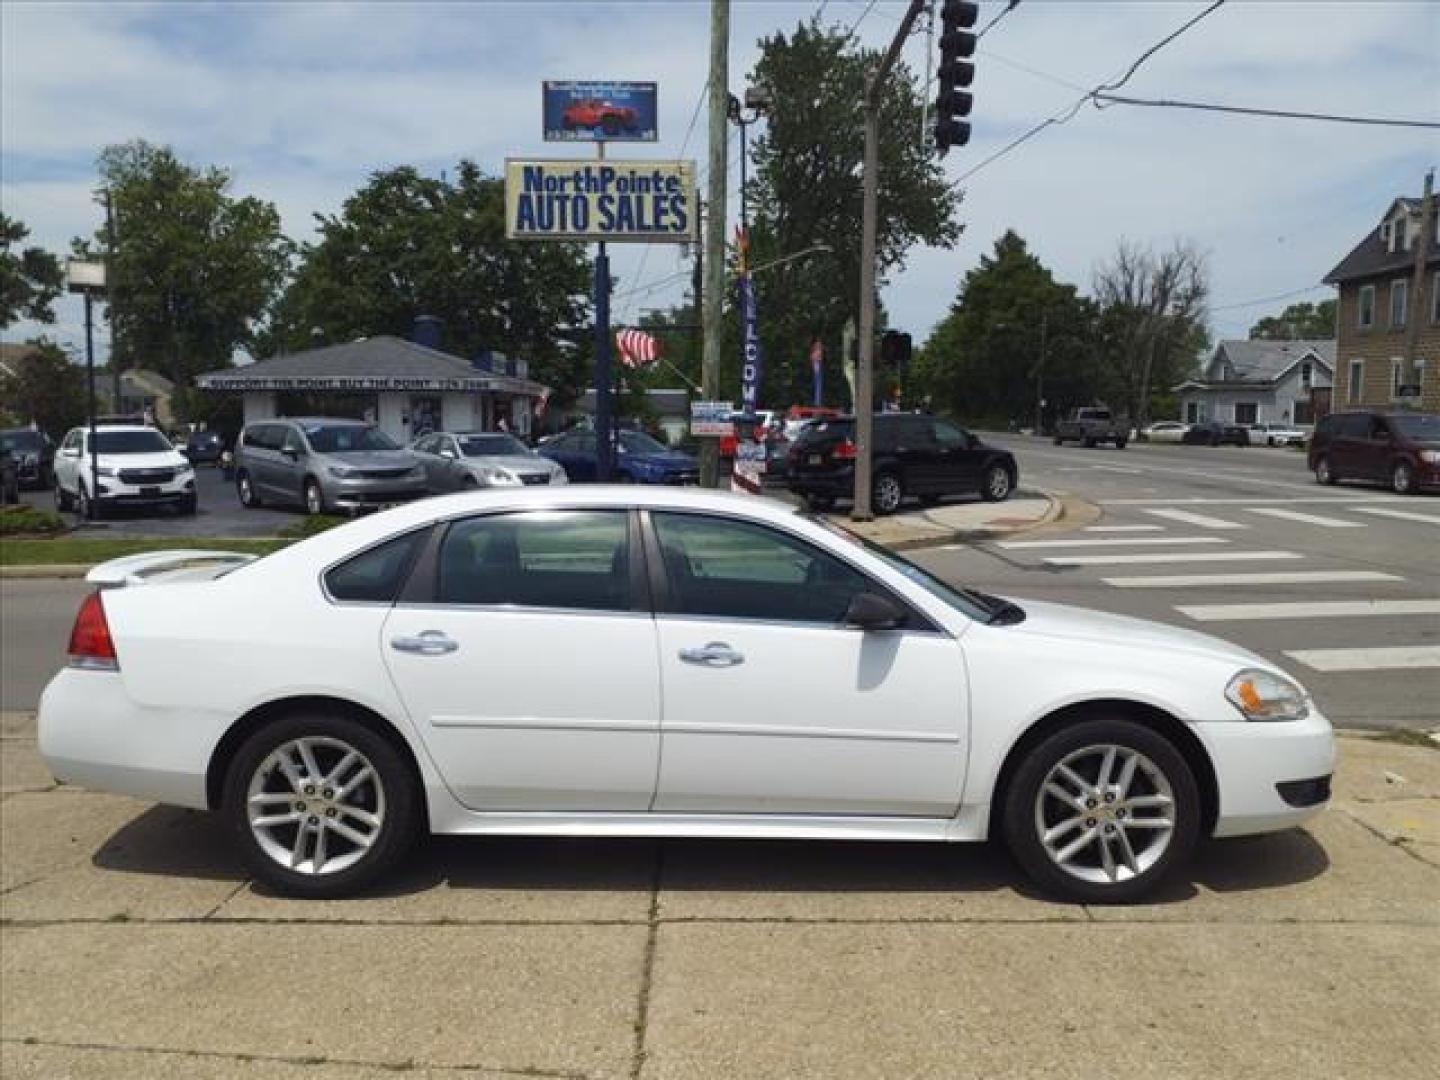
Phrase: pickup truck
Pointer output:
(1089, 426)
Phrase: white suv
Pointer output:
(137, 467)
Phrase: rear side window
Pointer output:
(1354, 425)
(376, 575)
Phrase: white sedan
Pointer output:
(598, 661)
(1165, 431)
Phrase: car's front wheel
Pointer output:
(1402, 478)
(245, 489)
(320, 805)
(997, 485)
(62, 501)
(314, 498)
(1324, 474)
(1101, 811)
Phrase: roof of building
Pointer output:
(1371, 257)
(1260, 362)
(376, 363)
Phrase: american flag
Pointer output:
(637, 348)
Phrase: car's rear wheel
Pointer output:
(1323, 473)
(245, 488)
(887, 493)
(314, 497)
(1402, 478)
(1120, 443)
(997, 485)
(320, 805)
(820, 504)
(1102, 810)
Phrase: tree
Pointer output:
(30, 279)
(1152, 321)
(45, 389)
(406, 244)
(805, 192)
(191, 268)
(983, 361)
(1302, 320)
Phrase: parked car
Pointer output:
(639, 459)
(9, 478)
(470, 459)
(1277, 435)
(324, 465)
(380, 679)
(204, 447)
(598, 113)
(1214, 433)
(797, 416)
(914, 455)
(136, 466)
(1164, 431)
(34, 456)
(1400, 449)
(1091, 425)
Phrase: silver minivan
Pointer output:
(324, 465)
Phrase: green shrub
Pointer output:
(21, 520)
(311, 525)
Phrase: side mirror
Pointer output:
(290, 452)
(871, 611)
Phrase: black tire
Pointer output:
(189, 506)
(887, 492)
(1024, 815)
(820, 504)
(392, 796)
(83, 509)
(1057, 440)
(469, 484)
(1120, 444)
(312, 496)
(62, 501)
(997, 484)
(1088, 443)
(1323, 473)
(1215, 440)
(1402, 478)
(245, 489)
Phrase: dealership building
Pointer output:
(405, 388)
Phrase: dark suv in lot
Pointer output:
(1399, 449)
(917, 455)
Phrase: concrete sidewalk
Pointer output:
(133, 945)
(917, 527)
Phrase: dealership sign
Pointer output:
(711, 418)
(649, 201)
(599, 111)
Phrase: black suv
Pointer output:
(913, 455)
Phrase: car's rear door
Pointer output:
(772, 706)
(525, 653)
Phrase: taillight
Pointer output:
(844, 451)
(91, 646)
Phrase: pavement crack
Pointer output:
(647, 970)
(313, 1060)
(1398, 842)
(228, 897)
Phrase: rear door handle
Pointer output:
(426, 643)
(715, 654)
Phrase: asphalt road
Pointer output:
(1360, 626)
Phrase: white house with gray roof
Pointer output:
(1261, 382)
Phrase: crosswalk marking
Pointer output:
(1021, 545)
(1307, 519)
(1124, 528)
(1203, 520)
(1320, 609)
(1293, 577)
(1403, 515)
(1379, 659)
(1172, 557)
(1189, 500)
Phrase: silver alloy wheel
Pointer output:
(998, 483)
(1105, 814)
(316, 805)
(314, 498)
(1322, 471)
(247, 494)
(1400, 478)
(887, 493)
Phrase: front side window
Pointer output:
(637, 442)
(576, 559)
(735, 569)
(1399, 296)
(1366, 313)
(948, 435)
(375, 576)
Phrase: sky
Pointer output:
(302, 100)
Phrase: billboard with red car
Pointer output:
(599, 112)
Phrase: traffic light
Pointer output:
(957, 71)
(895, 350)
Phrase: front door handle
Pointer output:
(427, 643)
(715, 654)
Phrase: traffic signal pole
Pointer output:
(865, 376)
(713, 311)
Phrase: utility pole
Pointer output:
(1040, 374)
(111, 239)
(865, 391)
(697, 289)
(714, 292)
(1414, 301)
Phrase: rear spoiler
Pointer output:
(138, 569)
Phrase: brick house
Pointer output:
(1379, 303)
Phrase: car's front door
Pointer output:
(960, 457)
(528, 664)
(772, 706)
(914, 448)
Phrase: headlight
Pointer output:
(499, 477)
(1431, 457)
(342, 471)
(1263, 695)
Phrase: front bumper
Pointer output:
(1270, 776)
(373, 494)
(837, 483)
(115, 492)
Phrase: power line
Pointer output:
(1018, 66)
(1011, 6)
(855, 25)
(1267, 299)
(1105, 100)
(1157, 47)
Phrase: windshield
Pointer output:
(1424, 427)
(27, 442)
(131, 442)
(982, 607)
(492, 446)
(639, 443)
(347, 439)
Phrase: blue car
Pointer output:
(640, 459)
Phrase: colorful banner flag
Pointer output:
(817, 371)
(637, 348)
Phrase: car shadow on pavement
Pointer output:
(172, 842)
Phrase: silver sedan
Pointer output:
(455, 461)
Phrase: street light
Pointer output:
(757, 101)
(88, 279)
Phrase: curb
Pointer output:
(1053, 513)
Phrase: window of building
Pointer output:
(1356, 388)
(1397, 376)
(1194, 412)
(1365, 315)
(1399, 295)
(1246, 412)
(1307, 373)
(1435, 298)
